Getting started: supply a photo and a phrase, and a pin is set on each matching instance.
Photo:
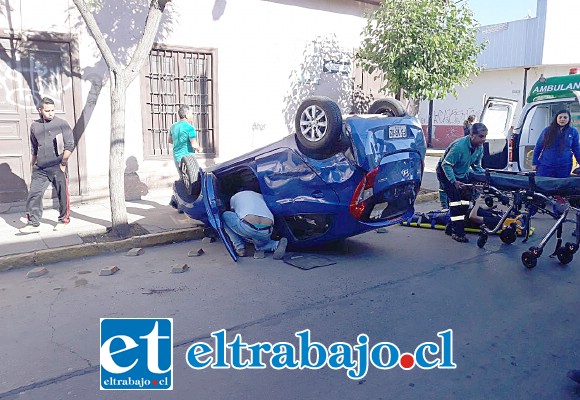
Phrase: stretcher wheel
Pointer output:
(564, 256)
(571, 247)
(508, 235)
(481, 240)
(489, 201)
(536, 251)
(529, 259)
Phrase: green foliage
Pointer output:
(94, 5)
(425, 47)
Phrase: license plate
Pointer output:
(397, 131)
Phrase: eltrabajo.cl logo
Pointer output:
(136, 354)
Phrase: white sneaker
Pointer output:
(30, 229)
(59, 226)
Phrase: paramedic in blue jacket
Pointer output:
(463, 156)
(52, 143)
(555, 146)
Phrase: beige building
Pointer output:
(517, 54)
(244, 65)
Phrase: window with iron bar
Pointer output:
(175, 77)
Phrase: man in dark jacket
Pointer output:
(52, 143)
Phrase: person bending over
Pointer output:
(251, 221)
(463, 156)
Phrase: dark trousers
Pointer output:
(41, 179)
(458, 203)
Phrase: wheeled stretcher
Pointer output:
(525, 195)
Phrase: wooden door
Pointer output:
(14, 143)
(32, 70)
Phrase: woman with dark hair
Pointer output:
(555, 146)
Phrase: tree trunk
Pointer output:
(119, 220)
(120, 80)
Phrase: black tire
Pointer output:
(481, 240)
(318, 124)
(508, 235)
(536, 251)
(571, 247)
(529, 259)
(189, 171)
(388, 106)
(489, 201)
(564, 256)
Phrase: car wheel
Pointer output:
(318, 125)
(388, 106)
(189, 171)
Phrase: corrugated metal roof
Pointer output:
(512, 44)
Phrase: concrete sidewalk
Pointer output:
(152, 212)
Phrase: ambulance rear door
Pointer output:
(497, 115)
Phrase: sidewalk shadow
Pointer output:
(97, 221)
(13, 186)
(134, 188)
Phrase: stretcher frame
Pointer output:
(557, 197)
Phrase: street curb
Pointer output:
(434, 152)
(425, 197)
(57, 254)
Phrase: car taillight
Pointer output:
(363, 192)
(511, 149)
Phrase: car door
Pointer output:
(497, 115)
(214, 208)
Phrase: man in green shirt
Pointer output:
(183, 136)
(461, 157)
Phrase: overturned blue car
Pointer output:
(333, 178)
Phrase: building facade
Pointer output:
(244, 66)
(517, 54)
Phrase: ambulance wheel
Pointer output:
(482, 240)
(189, 171)
(387, 106)
(508, 235)
(564, 256)
(529, 259)
(318, 124)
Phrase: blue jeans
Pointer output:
(240, 233)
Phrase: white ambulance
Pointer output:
(512, 148)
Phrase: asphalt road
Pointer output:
(515, 331)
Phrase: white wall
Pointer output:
(561, 43)
(509, 83)
(262, 47)
(260, 44)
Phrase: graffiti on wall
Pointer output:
(43, 76)
(453, 116)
